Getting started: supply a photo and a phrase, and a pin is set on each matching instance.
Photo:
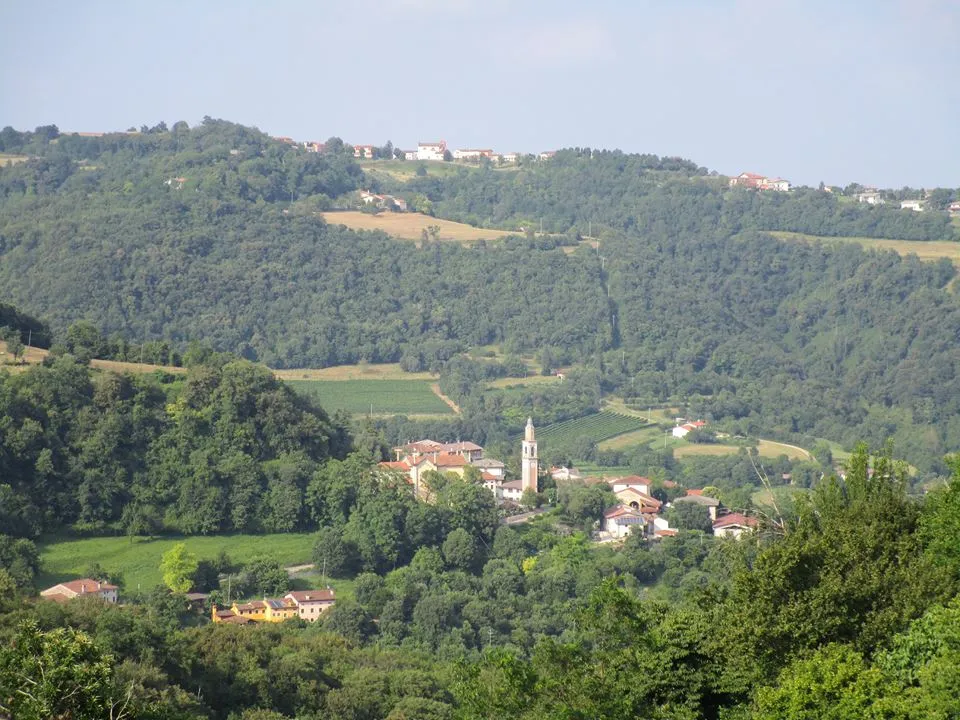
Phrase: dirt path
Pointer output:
(298, 568)
(436, 391)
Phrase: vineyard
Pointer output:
(596, 427)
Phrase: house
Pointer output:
(311, 604)
(472, 154)
(747, 180)
(228, 616)
(314, 146)
(409, 154)
(546, 155)
(253, 610)
(564, 473)
(954, 208)
(915, 205)
(631, 497)
(512, 490)
(695, 497)
(84, 587)
(492, 467)
(733, 525)
(431, 150)
(363, 151)
(681, 431)
(468, 450)
(636, 482)
(175, 183)
(870, 197)
(286, 140)
(621, 520)
(774, 184)
(509, 158)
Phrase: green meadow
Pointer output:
(377, 397)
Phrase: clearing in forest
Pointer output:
(360, 371)
(376, 397)
(410, 226)
(928, 250)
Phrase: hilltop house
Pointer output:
(363, 151)
(870, 197)
(431, 150)
(306, 604)
(954, 208)
(759, 182)
(915, 205)
(472, 154)
(632, 482)
(84, 587)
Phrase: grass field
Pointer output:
(139, 561)
(512, 382)
(9, 159)
(596, 427)
(645, 436)
(381, 397)
(410, 226)
(925, 250)
(361, 371)
(407, 169)
(691, 449)
(771, 449)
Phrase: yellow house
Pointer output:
(254, 610)
(279, 610)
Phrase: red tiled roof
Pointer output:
(631, 480)
(307, 596)
(465, 446)
(395, 465)
(513, 485)
(694, 492)
(669, 532)
(620, 510)
(85, 586)
(733, 520)
(487, 476)
(449, 460)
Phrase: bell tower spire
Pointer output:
(529, 462)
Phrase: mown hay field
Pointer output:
(410, 226)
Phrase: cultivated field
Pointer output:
(596, 427)
(771, 449)
(691, 449)
(513, 382)
(407, 169)
(923, 249)
(139, 561)
(410, 226)
(361, 371)
(35, 356)
(646, 436)
(379, 397)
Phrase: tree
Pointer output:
(690, 516)
(57, 674)
(447, 156)
(460, 550)
(266, 577)
(332, 554)
(530, 498)
(178, 566)
(350, 620)
(15, 346)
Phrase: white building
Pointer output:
(472, 154)
(311, 604)
(733, 525)
(915, 205)
(431, 150)
(635, 482)
(870, 197)
(681, 431)
(775, 184)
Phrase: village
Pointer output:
(635, 512)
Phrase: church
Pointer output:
(415, 458)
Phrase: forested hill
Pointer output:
(580, 188)
(210, 234)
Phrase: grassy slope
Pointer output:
(925, 250)
(410, 226)
(139, 560)
(407, 397)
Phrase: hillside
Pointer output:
(213, 234)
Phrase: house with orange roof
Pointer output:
(311, 604)
(681, 431)
(631, 497)
(733, 525)
(84, 587)
(637, 482)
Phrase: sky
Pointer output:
(837, 91)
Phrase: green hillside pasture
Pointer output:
(139, 560)
(381, 397)
(597, 427)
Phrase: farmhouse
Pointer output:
(633, 482)
(632, 497)
(759, 182)
(431, 150)
(733, 525)
(915, 205)
(695, 497)
(311, 604)
(363, 151)
(954, 208)
(870, 197)
(471, 154)
(622, 520)
(681, 431)
(564, 473)
(84, 587)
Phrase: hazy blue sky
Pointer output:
(833, 90)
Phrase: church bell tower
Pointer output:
(529, 462)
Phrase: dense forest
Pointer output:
(209, 234)
(845, 607)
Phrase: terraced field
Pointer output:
(597, 427)
(378, 397)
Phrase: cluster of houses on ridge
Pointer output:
(872, 196)
(753, 181)
(429, 151)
